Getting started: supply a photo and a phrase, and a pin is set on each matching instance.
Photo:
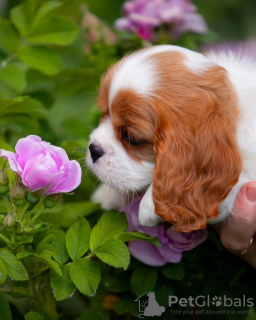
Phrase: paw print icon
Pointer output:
(216, 301)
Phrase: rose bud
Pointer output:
(32, 197)
(10, 220)
(4, 181)
(51, 200)
(18, 194)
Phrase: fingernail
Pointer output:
(251, 194)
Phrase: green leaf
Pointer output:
(3, 273)
(77, 239)
(54, 266)
(44, 10)
(22, 16)
(5, 311)
(65, 215)
(62, 285)
(115, 253)
(25, 254)
(173, 271)
(13, 76)
(14, 267)
(59, 250)
(22, 105)
(129, 236)
(143, 279)
(37, 316)
(41, 58)
(56, 30)
(85, 274)
(9, 40)
(110, 224)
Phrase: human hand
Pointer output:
(237, 235)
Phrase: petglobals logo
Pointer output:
(207, 301)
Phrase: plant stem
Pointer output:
(7, 204)
(23, 211)
(5, 239)
(41, 210)
(90, 255)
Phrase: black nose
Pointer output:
(96, 152)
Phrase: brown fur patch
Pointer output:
(187, 126)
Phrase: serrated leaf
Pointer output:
(14, 267)
(77, 239)
(62, 285)
(143, 279)
(129, 236)
(173, 271)
(13, 76)
(5, 311)
(85, 274)
(115, 253)
(59, 250)
(41, 58)
(9, 40)
(56, 30)
(3, 273)
(110, 224)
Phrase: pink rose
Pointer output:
(43, 166)
(173, 243)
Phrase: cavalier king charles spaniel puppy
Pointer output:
(178, 127)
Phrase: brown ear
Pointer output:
(197, 157)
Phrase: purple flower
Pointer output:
(173, 243)
(43, 166)
(143, 16)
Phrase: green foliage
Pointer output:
(15, 269)
(62, 285)
(85, 274)
(143, 279)
(109, 225)
(114, 252)
(5, 308)
(77, 239)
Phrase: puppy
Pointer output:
(179, 127)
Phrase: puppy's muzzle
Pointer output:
(96, 152)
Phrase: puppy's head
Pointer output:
(169, 124)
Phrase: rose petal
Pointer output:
(59, 155)
(71, 179)
(146, 253)
(34, 138)
(39, 172)
(12, 159)
(27, 149)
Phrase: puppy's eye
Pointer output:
(128, 138)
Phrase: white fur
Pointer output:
(147, 215)
(138, 74)
(119, 171)
(115, 168)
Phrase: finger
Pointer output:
(241, 227)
